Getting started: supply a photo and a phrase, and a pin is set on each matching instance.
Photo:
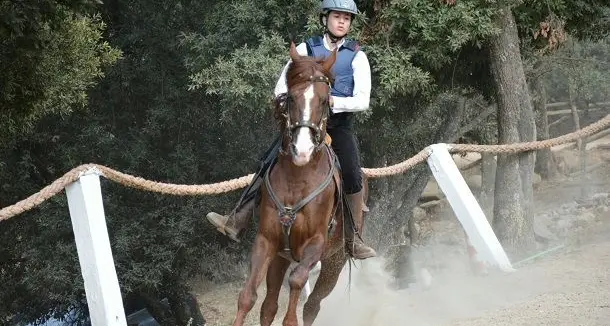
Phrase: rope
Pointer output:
(173, 189)
(401, 167)
(534, 145)
(44, 194)
(125, 179)
(225, 186)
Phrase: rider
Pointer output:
(350, 93)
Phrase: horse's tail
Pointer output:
(350, 261)
(347, 217)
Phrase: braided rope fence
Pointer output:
(230, 185)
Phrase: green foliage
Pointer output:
(239, 63)
(244, 82)
(433, 32)
(581, 68)
(48, 63)
(416, 43)
(396, 75)
(584, 19)
(189, 103)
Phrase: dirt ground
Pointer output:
(569, 286)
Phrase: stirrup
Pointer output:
(219, 221)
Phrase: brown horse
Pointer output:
(301, 207)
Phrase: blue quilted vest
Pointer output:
(342, 71)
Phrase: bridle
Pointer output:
(318, 129)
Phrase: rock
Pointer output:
(419, 214)
(537, 179)
(463, 161)
(541, 227)
(569, 160)
(563, 225)
(586, 217)
(432, 192)
(474, 182)
(568, 208)
(600, 197)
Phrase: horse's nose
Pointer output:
(302, 148)
(300, 151)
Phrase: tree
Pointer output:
(513, 209)
(39, 39)
(194, 74)
(513, 205)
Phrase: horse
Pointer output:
(301, 206)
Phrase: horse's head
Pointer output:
(303, 114)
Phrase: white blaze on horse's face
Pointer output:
(303, 143)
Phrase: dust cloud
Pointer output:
(372, 299)
(566, 287)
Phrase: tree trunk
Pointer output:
(449, 130)
(488, 179)
(574, 111)
(513, 219)
(581, 142)
(403, 267)
(545, 160)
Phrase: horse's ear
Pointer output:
(293, 52)
(330, 61)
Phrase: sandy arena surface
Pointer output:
(570, 286)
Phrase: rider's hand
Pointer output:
(330, 105)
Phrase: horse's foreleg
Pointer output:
(262, 253)
(311, 255)
(329, 274)
(275, 276)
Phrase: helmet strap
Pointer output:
(333, 38)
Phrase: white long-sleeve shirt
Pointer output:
(360, 99)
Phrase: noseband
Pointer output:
(316, 128)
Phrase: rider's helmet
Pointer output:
(339, 5)
(327, 6)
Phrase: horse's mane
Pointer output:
(298, 72)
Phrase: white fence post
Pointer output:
(94, 253)
(466, 208)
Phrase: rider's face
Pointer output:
(338, 23)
